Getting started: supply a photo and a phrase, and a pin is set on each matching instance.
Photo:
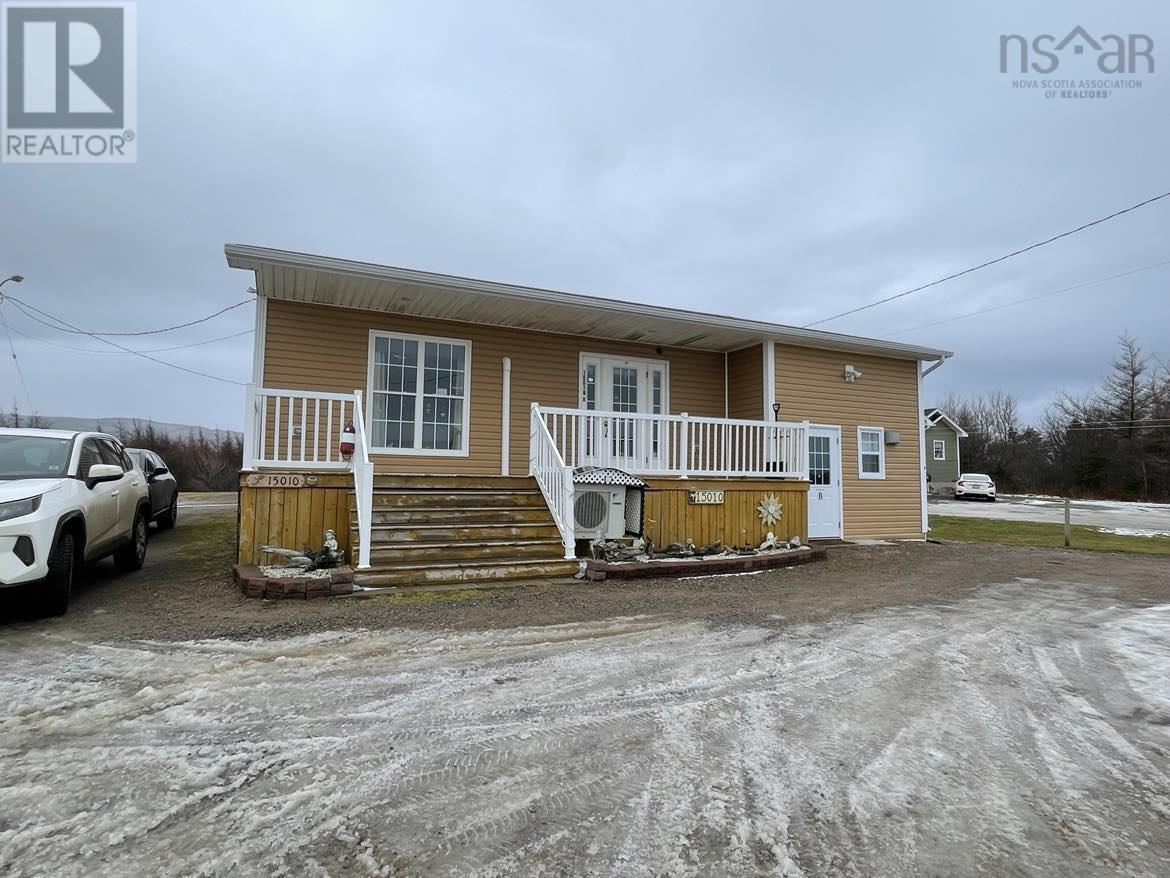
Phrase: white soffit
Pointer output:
(303, 277)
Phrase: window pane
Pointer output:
(398, 389)
(871, 463)
(591, 387)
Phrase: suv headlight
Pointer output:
(17, 508)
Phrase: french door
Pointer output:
(614, 387)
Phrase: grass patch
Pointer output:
(1039, 533)
(211, 537)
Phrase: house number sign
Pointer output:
(275, 480)
(705, 498)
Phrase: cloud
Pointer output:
(758, 159)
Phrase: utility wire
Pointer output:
(15, 360)
(1004, 258)
(177, 347)
(76, 331)
(1149, 427)
(988, 310)
(25, 309)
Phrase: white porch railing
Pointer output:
(301, 429)
(678, 445)
(296, 429)
(554, 477)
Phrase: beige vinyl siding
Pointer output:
(325, 348)
(745, 383)
(810, 384)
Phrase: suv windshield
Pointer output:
(33, 457)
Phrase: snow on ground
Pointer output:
(1133, 532)
(1152, 517)
(1024, 729)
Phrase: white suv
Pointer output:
(67, 498)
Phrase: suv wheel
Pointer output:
(168, 519)
(59, 582)
(132, 555)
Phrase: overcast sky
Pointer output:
(762, 159)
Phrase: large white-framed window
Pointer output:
(871, 453)
(940, 449)
(419, 389)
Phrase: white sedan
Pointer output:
(975, 485)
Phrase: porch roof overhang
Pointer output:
(325, 280)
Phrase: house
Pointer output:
(942, 451)
(474, 403)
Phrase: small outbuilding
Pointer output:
(942, 451)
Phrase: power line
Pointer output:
(990, 262)
(22, 306)
(177, 347)
(1136, 427)
(76, 331)
(15, 360)
(1079, 286)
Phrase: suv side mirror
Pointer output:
(103, 472)
(159, 471)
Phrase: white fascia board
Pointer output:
(249, 257)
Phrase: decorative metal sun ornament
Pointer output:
(770, 509)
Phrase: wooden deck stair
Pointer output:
(431, 530)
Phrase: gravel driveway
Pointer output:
(1137, 519)
(820, 722)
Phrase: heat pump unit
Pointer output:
(599, 513)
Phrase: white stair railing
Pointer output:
(363, 482)
(554, 477)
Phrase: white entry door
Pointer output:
(624, 387)
(824, 482)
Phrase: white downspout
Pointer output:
(769, 394)
(922, 450)
(506, 419)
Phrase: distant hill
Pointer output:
(117, 425)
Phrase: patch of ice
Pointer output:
(718, 575)
(1133, 532)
